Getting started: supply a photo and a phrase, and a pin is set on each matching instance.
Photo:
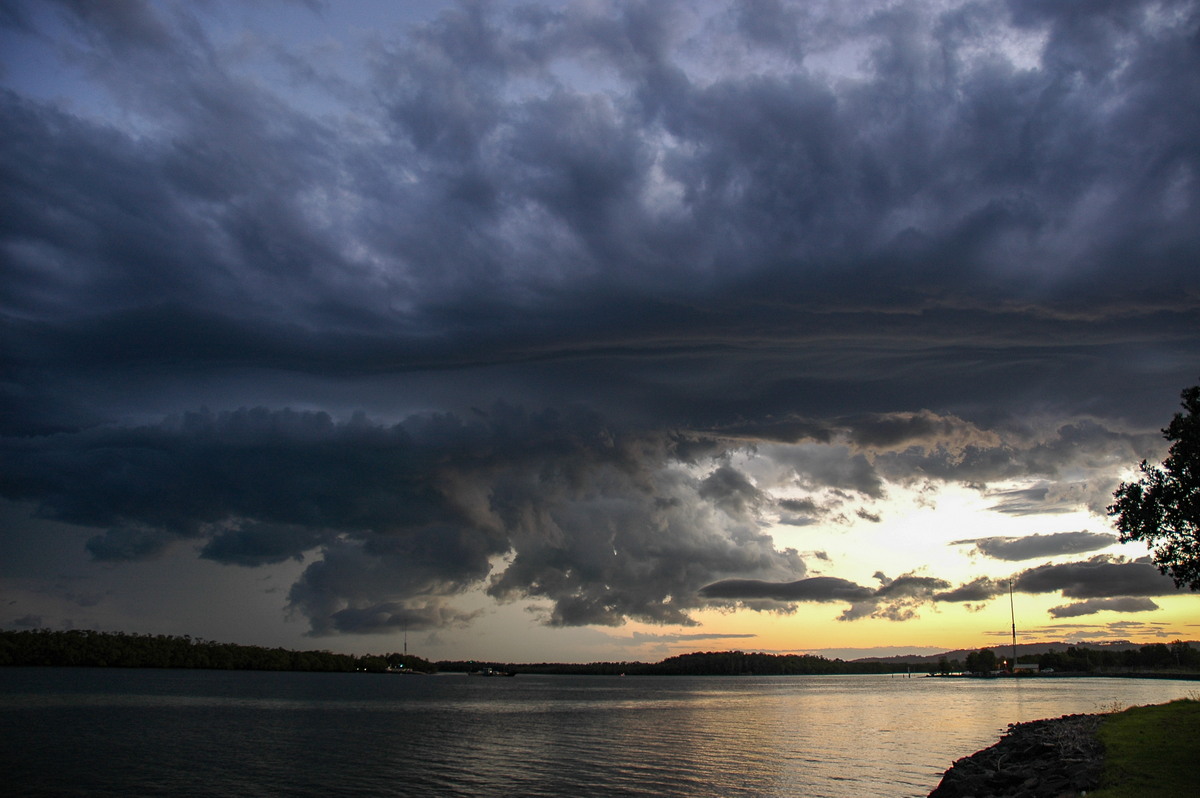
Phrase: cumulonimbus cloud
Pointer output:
(755, 221)
(398, 519)
(865, 267)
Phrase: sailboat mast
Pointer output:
(1013, 613)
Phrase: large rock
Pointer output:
(1041, 759)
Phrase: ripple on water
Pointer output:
(111, 732)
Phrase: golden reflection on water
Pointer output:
(315, 734)
(811, 736)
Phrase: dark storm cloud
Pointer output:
(1099, 577)
(730, 490)
(894, 599)
(627, 545)
(924, 430)
(909, 585)
(1035, 500)
(919, 218)
(1061, 467)
(885, 266)
(601, 524)
(781, 430)
(815, 588)
(127, 543)
(386, 583)
(976, 591)
(261, 544)
(806, 506)
(1104, 582)
(1034, 546)
(871, 454)
(836, 467)
(1073, 464)
(800, 512)
(1093, 606)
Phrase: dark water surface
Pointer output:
(231, 733)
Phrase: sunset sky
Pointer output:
(593, 330)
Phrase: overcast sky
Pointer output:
(595, 330)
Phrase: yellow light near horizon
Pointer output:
(916, 534)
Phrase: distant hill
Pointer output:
(1003, 650)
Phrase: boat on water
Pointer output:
(491, 672)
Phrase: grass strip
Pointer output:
(1151, 751)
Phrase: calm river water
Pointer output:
(222, 733)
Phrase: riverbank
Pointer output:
(1187, 676)
(1143, 751)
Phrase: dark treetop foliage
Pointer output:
(1163, 507)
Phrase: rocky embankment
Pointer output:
(1040, 759)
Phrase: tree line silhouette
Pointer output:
(127, 650)
(706, 663)
(86, 648)
(1178, 656)
(79, 647)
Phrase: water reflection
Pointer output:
(224, 734)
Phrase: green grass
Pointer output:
(1151, 751)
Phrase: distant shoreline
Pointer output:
(1185, 675)
(85, 648)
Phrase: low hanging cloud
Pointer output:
(800, 512)
(821, 589)
(1106, 630)
(730, 490)
(1035, 500)
(638, 638)
(894, 599)
(859, 458)
(926, 431)
(593, 523)
(1104, 582)
(1036, 546)
(1093, 606)
(819, 466)
(397, 520)
(976, 591)
(255, 544)
(1101, 577)
(1098, 577)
